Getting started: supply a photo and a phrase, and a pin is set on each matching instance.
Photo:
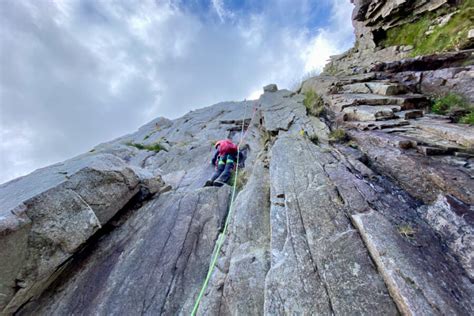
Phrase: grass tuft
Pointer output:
(452, 35)
(452, 104)
(338, 135)
(352, 144)
(314, 103)
(241, 179)
(467, 119)
(156, 147)
(406, 230)
(443, 104)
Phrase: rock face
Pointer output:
(367, 209)
(49, 214)
(373, 19)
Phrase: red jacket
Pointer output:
(226, 147)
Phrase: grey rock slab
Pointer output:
(319, 263)
(410, 114)
(105, 191)
(461, 134)
(56, 209)
(432, 140)
(421, 176)
(278, 110)
(376, 125)
(61, 222)
(12, 254)
(449, 80)
(419, 228)
(455, 222)
(289, 114)
(320, 84)
(415, 291)
(340, 101)
(154, 263)
(14, 192)
(317, 127)
(371, 113)
(189, 179)
(380, 88)
(237, 286)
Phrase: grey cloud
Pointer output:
(78, 74)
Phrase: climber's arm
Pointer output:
(214, 158)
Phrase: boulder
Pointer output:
(270, 88)
(45, 225)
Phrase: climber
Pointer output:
(224, 159)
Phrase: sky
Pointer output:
(74, 74)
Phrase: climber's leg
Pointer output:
(217, 173)
(225, 176)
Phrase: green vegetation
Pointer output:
(447, 37)
(352, 144)
(468, 118)
(314, 103)
(157, 147)
(452, 104)
(266, 138)
(241, 179)
(443, 104)
(406, 230)
(338, 135)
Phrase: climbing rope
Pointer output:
(221, 238)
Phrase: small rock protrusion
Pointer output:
(470, 34)
(407, 144)
(270, 88)
(432, 151)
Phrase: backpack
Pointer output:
(227, 147)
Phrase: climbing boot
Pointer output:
(218, 183)
(209, 183)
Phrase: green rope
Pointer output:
(221, 238)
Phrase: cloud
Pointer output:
(218, 6)
(332, 39)
(77, 73)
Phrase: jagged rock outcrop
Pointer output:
(367, 209)
(373, 19)
(49, 214)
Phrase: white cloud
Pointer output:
(222, 13)
(254, 95)
(77, 73)
(330, 40)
